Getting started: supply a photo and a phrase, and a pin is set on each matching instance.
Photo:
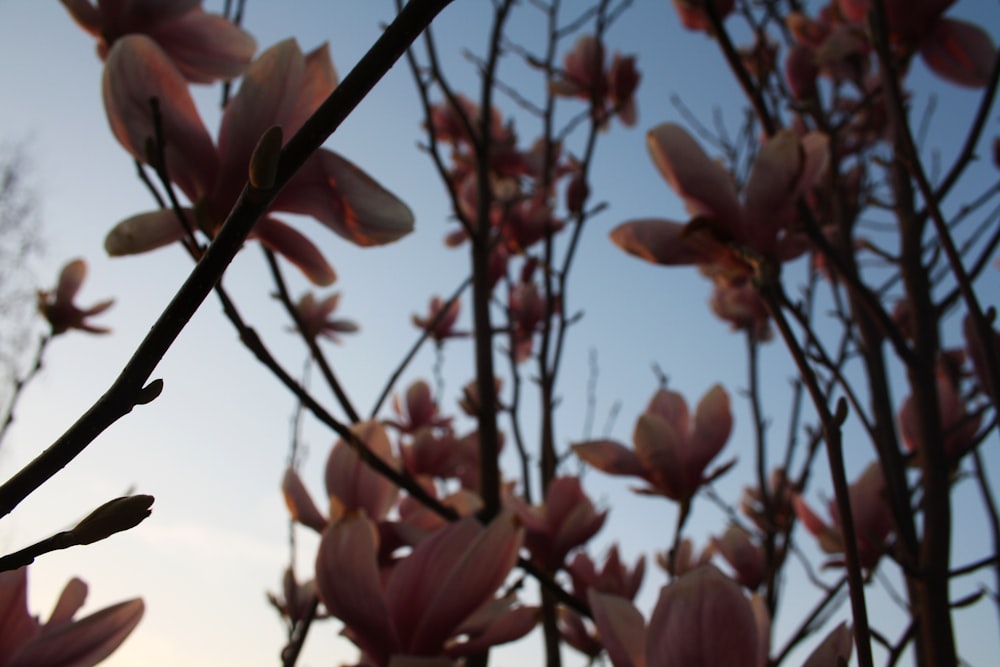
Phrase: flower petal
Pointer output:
(347, 200)
(713, 422)
(85, 642)
(17, 626)
(205, 47)
(771, 189)
(145, 232)
(266, 98)
(73, 595)
(705, 186)
(136, 71)
(354, 483)
(959, 52)
(85, 14)
(622, 628)
(300, 503)
(662, 242)
(610, 457)
(350, 587)
(319, 80)
(297, 249)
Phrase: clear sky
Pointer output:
(213, 447)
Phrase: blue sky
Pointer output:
(212, 448)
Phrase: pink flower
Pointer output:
(444, 328)
(671, 453)
(702, 619)
(435, 602)
(58, 308)
(742, 307)
(282, 87)
(957, 51)
(743, 555)
(419, 410)
(872, 521)
(724, 226)
(584, 76)
(317, 317)
(62, 641)
(565, 521)
(203, 47)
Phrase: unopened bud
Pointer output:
(264, 162)
(112, 517)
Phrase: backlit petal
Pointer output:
(660, 242)
(205, 47)
(145, 232)
(297, 249)
(136, 71)
(85, 642)
(622, 628)
(349, 583)
(347, 200)
(705, 186)
(771, 189)
(959, 52)
(610, 457)
(300, 503)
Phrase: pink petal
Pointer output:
(662, 451)
(70, 280)
(300, 503)
(354, 483)
(266, 97)
(297, 249)
(660, 242)
(17, 626)
(349, 584)
(705, 186)
(508, 627)
(319, 81)
(713, 422)
(137, 70)
(455, 571)
(671, 406)
(622, 628)
(347, 200)
(205, 47)
(771, 189)
(610, 457)
(145, 232)
(691, 611)
(959, 52)
(85, 642)
(70, 600)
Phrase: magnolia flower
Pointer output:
(351, 484)
(957, 51)
(440, 326)
(566, 520)
(61, 641)
(58, 308)
(317, 317)
(724, 226)
(584, 76)
(436, 602)
(203, 47)
(281, 88)
(701, 619)
(671, 453)
(418, 411)
(872, 521)
(745, 556)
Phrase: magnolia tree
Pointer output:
(430, 552)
